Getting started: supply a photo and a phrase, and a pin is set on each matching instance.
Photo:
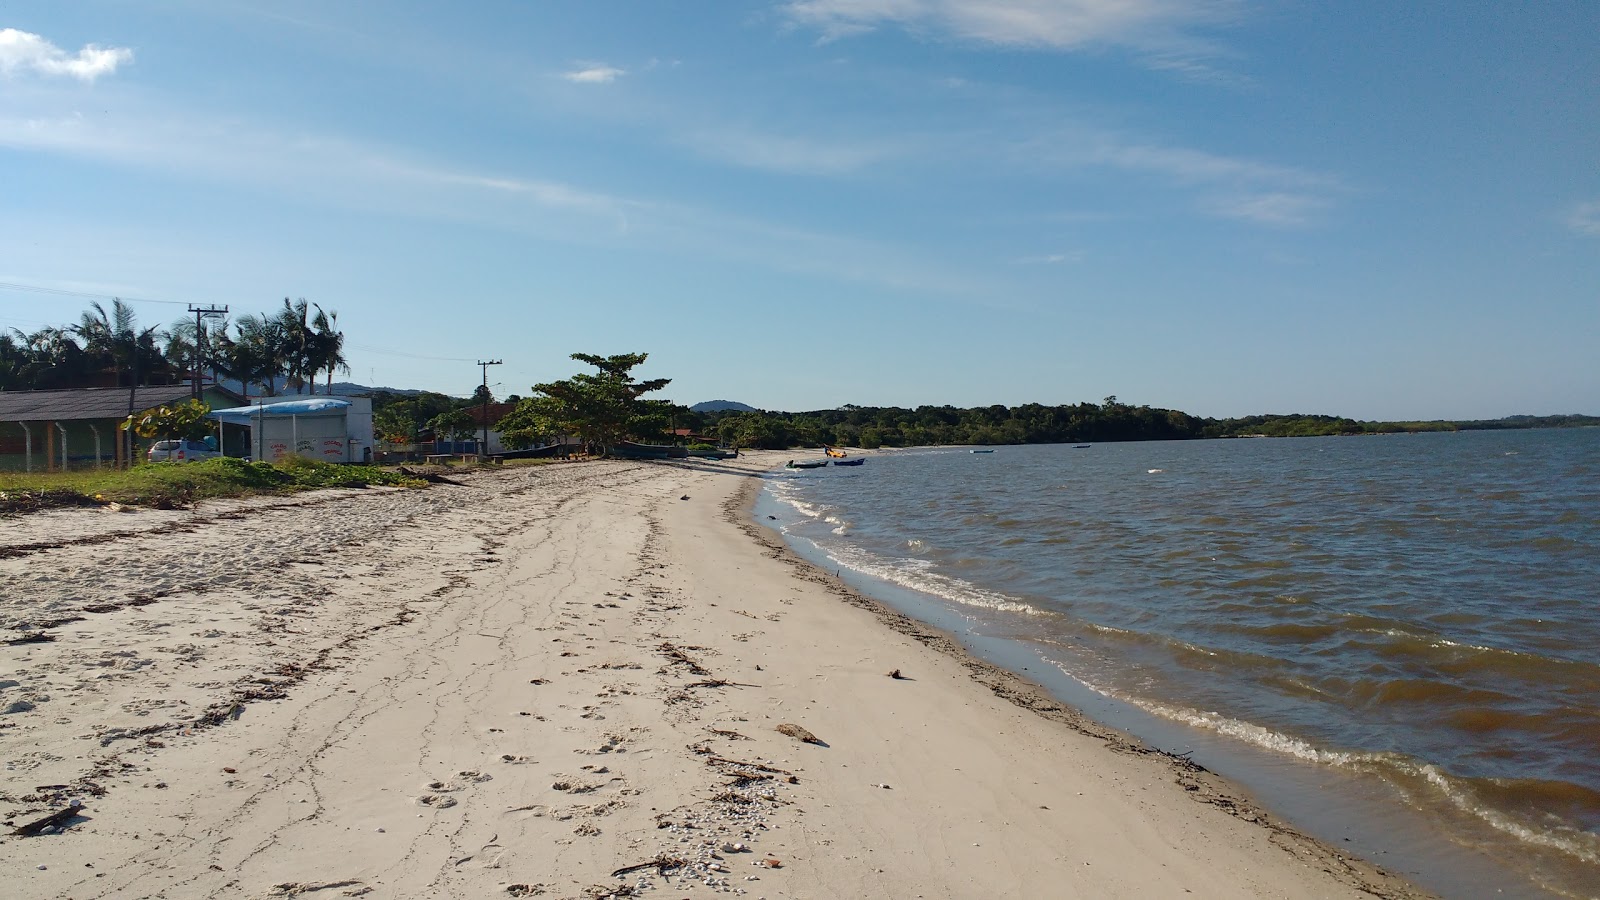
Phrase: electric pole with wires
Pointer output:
(200, 314)
(483, 451)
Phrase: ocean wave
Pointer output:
(918, 575)
(1524, 809)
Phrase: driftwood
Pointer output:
(718, 682)
(682, 658)
(724, 761)
(661, 864)
(799, 734)
(429, 477)
(58, 817)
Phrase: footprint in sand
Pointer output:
(475, 776)
(516, 760)
(435, 801)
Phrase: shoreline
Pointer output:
(564, 682)
(1201, 784)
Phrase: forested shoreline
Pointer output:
(1032, 423)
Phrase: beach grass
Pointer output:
(175, 484)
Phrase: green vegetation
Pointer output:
(1110, 420)
(601, 409)
(180, 420)
(109, 349)
(167, 485)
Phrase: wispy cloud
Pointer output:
(1050, 259)
(1164, 30)
(1275, 208)
(1231, 187)
(788, 154)
(1585, 218)
(24, 52)
(333, 171)
(594, 73)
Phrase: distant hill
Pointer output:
(721, 406)
(340, 389)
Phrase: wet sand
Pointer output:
(523, 684)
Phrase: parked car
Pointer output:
(181, 451)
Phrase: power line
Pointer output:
(483, 449)
(33, 288)
(383, 352)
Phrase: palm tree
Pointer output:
(327, 345)
(255, 355)
(13, 359)
(295, 339)
(116, 345)
(51, 358)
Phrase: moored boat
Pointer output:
(807, 464)
(849, 462)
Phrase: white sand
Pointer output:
(510, 688)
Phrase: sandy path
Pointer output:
(514, 687)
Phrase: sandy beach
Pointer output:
(583, 680)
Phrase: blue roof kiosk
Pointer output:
(331, 429)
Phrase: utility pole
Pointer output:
(483, 449)
(200, 313)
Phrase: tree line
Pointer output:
(1033, 423)
(288, 348)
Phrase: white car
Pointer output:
(181, 451)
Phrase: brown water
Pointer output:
(1423, 611)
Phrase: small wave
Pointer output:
(1498, 803)
(917, 575)
(1466, 796)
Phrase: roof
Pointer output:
(497, 411)
(245, 415)
(93, 403)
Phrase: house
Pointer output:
(50, 431)
(495, 412)
(326, 428)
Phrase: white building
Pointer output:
(326, 428)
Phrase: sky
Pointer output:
(1363, 208)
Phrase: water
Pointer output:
(1413, 612)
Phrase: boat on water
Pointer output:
(849, 462)
(807, 464)
(980, 451)
(1080, 446)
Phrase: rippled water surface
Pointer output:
(1421, 609)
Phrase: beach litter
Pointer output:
(800, 734)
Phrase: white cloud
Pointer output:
(1277, 208)
(1585, 218)
(1051, 259)
(790, 155)
(1239, 188)
(338, 172)
(1149, 25)
(21, 51)
(594, 74)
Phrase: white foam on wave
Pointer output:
(919, 575)
(1582, 846)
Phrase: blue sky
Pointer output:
(1364, 208)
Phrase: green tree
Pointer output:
(180, 420)
(601, 409)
